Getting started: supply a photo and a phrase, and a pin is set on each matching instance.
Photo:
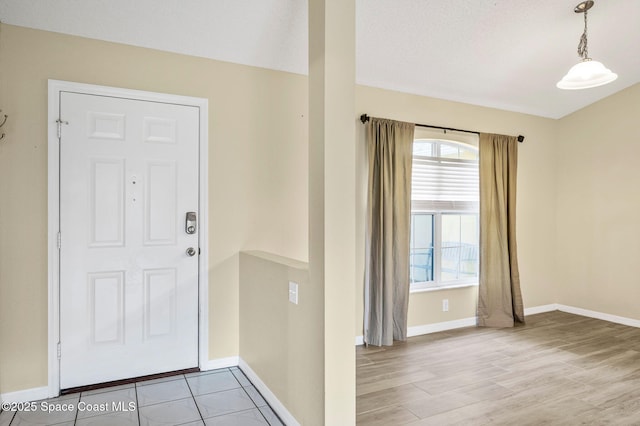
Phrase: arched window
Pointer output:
(444, 213)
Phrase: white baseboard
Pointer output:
(541, 309)
(269, 396)
(27, 395)
(419, 330)
(599, 315)
(214, 364)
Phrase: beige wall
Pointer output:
(257, 174)
(598, 206)
(537, 170)
(280, 341)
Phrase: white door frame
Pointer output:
(55, 87)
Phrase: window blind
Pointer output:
(444, 184)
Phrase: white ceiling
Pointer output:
(506, 54)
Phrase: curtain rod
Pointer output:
(364, 118)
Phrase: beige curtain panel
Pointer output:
(500, 298)
(390, 151)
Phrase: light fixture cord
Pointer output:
(583, 50)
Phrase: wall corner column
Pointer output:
(332, 197)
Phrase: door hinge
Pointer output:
(60, 123)
(59, 242)
(59, 350)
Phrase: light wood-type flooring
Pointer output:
(558, 369)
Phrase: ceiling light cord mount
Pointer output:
(583, 49)
(587, 73)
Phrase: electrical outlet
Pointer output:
(445, 305)
(293, 292)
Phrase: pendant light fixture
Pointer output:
(587, 73)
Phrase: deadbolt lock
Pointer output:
(190, 223)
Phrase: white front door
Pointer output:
(128, 286)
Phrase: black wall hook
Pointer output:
(4, 120)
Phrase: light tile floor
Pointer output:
(218, 397)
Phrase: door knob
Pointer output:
(191, 251)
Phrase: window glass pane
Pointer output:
(462, 152)
(469, 260)
(450, 230)
(449, 151)
(459, 255)
(421, 251)
(468, 154)
(423, 148)
(469, 229)
(423, 234)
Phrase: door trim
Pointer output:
(53, 176)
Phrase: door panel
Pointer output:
(107, 202)
(160, 199)
(107, 307)
(160, 307)
(128, 289)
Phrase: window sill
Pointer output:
(442, 287)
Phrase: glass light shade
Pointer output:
(585, 75)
